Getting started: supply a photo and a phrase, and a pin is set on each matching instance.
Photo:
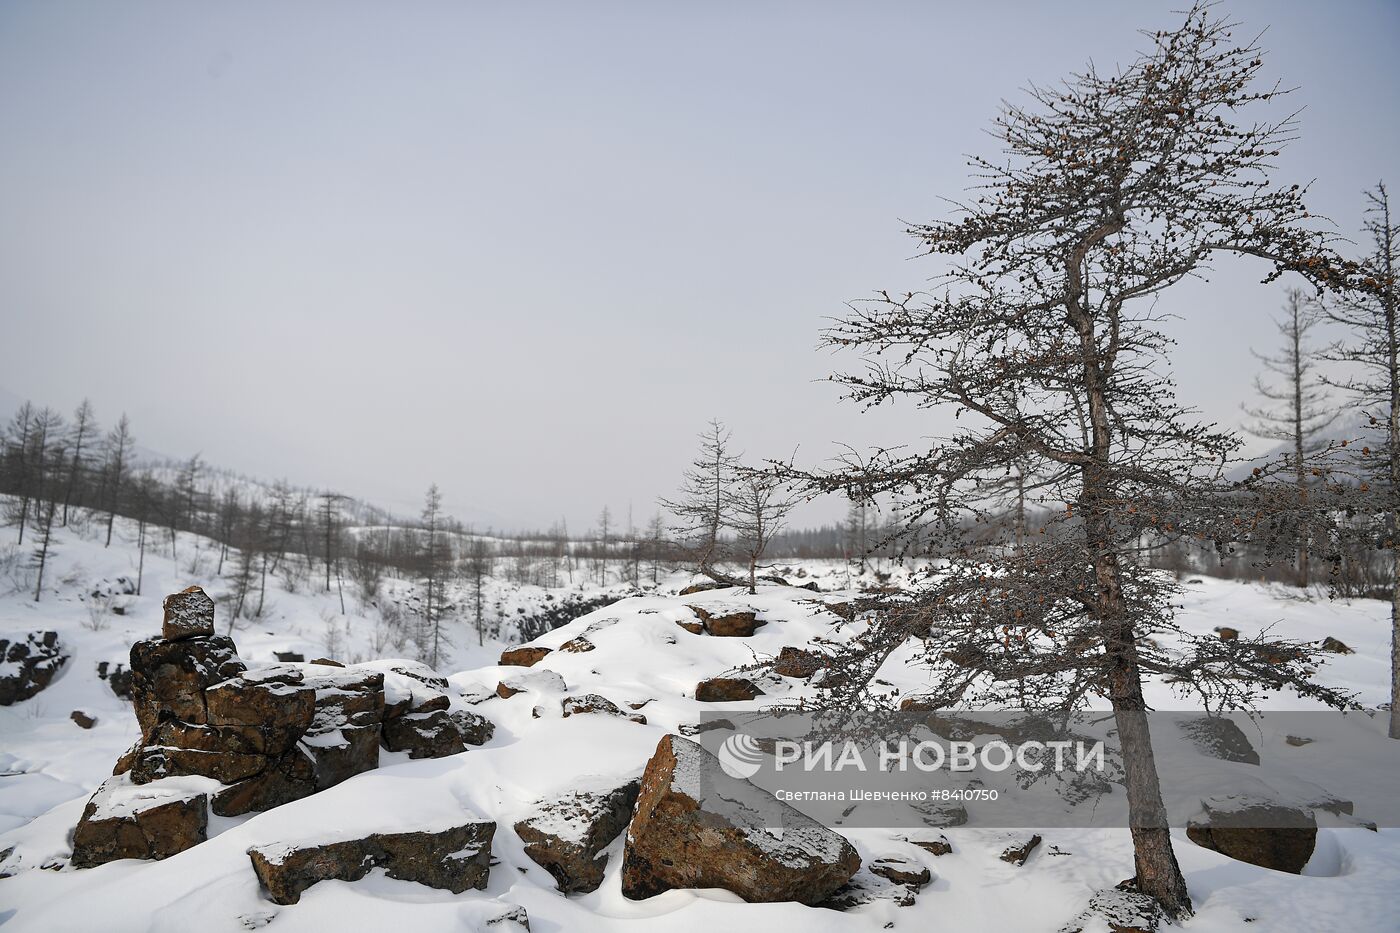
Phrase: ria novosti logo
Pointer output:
(740, 756)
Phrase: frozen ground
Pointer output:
(50, 766)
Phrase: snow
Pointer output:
(49, 767)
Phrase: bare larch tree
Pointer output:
(1372, 349)
(1045, 340)
(1296, 407)
(758, 506)
(701, 509)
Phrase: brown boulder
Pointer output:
(153, 821)
(696, 827)
(1219, 737)
(28, 666)
(1228, 634)
(168, 678)
(797, 662)
(475, 728)
(1018, 850)
(939, 846)
(693, 626)
(157, 761)
(738, 624)
(291, 777)
(726, 690)
(577, 645)
(433, 734)
(902, 871)
(453, 859)
(1257, 831)
(188, 613)
(1335, 646)
(83, 720)
(524, 656)
(593, 703)
(567, 837)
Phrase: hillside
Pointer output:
(643, 657)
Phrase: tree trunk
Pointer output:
(1395, 645)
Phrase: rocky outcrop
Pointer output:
(453, 859)
(567, 836)
(168, 678)
(696, 827)
(1261, 832)
(524, 656)
(933, 846)
(726, 690)
(188, 613)
(577, 645)
(29, 665)
(735, 624)
(151, 821)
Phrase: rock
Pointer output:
(157, 761)
(83, 720)
(279, 704)
(118, 678)
(737, 624)
(902, 871)
(708, 725)
(939, 846)
(475, 728)
(188, 613)
(1227, 634)
(1219, 737)
(325, 662)
(168, 678)
(1298, 741)
(1118, 911)
(433, 734)
(866, 887)
(289, 656)
(702, 587)
(577, 645)
(593, 703)
(153, 821)
(453, 859)
(567, 836)
(796, 662)
(1019, 849)
(693, 626)
(1334, 646)
(1257, 831)
(524, 656)
(534, 681)
(28, 666)
(696, 827)
(513, 919)
(291, 777)
(726, 690)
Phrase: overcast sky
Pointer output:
(527, 250)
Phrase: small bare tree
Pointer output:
(758, 506)
(1371, 312)
(701, 509)
(1296, 407)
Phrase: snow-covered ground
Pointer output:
(640, 656)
